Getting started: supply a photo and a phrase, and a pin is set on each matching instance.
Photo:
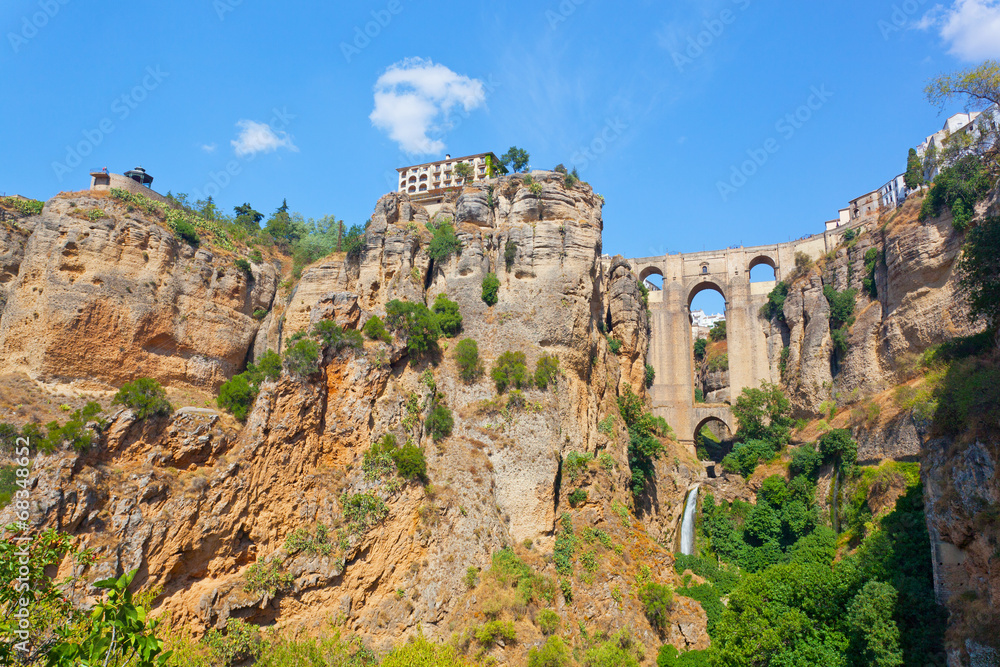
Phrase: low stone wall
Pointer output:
(126, 183)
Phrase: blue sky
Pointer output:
(655, 103)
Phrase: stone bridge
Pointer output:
(671, 348)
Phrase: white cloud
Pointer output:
(208, 148)
(970, 27)
(414, 98)
(257, 137)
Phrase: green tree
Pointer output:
(417, 323)
(302, 357)
(510, 370)
(515, 158)
(491, 286)
(837, 446)
(444, 243)
(448, 316)
(805, 461)
(656, 601)
(248, 218)
(873, 633)
(23, 579)
(145, 397)
(699, 348)
(375, 329)
(914, 176)
(464, 171)
(283, 228)
(467, 358)
(979, 270)
(718, 332)
(764, 413)
(440, 422)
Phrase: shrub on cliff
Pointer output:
(410, 462)
(554, 653)
(238, 394)
(467, 358)
(420, 651)
(444, 243)
(440, 422)
(509, 254)
(510, 370)
(699, 348)
(145, 397)
(449, 318)
(302, 357)
(656, 601)
(546, 371)
(979, 268)
(491, 286)
(775, 306)
(186, 231)
(334, 337)
(650, 375)
(417, 323)
(375, 329)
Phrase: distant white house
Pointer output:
(893, 194)
(700, 319)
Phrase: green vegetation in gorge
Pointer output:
(789, 600)
(645, 432)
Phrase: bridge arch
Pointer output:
(762, 260)
(700, 287)
(650, 270)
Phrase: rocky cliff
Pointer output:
(883, 388)
(94, 294)
(204, 507)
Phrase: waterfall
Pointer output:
(835, 503)
(687, 523)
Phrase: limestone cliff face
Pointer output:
(94, 303)
(918, 305)
(194, 500)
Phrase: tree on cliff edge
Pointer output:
(516, 158)
(914, 176)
